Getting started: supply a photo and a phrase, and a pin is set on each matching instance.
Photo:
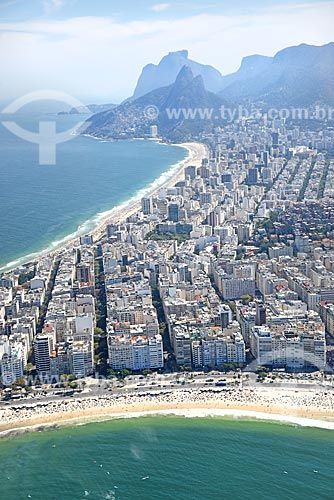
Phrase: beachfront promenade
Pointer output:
(288, 401)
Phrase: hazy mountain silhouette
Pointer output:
(156, 76)
(130, 119)
(299, 75)
(89, 108)
(296, 76)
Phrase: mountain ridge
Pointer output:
(130, 118)
(296, 76)
(165, 72)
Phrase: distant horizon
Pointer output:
(98, 99)
(96, 52)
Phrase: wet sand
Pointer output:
(306, 407)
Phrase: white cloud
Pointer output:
(51, 5)
(9, 3)
(159, 7)
(101, 57)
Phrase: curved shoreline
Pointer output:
(118, 213)
(306, 409)
(186, 411)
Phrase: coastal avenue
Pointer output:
(156, 382)
(298, 396)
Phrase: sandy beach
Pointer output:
(197, 151)
(303, 407)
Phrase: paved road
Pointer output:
(157, 383)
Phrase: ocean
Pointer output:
(169, 457)
(41, 206)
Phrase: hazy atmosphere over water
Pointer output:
(40, 205)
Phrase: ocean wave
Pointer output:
(229, 413)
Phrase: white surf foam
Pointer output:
(231, 413)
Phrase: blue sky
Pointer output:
(95, 49)
(126, 10)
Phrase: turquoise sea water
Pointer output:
(40, 205)
(160, 458)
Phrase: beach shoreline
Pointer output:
(277, 406)
(200, 411)
(196, 152)
(118, 214)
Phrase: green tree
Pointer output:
(29, 367)
(246, 299)
(98, 331)
(125, 372)
(227, 367)
(20, 382)
(25, 277)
